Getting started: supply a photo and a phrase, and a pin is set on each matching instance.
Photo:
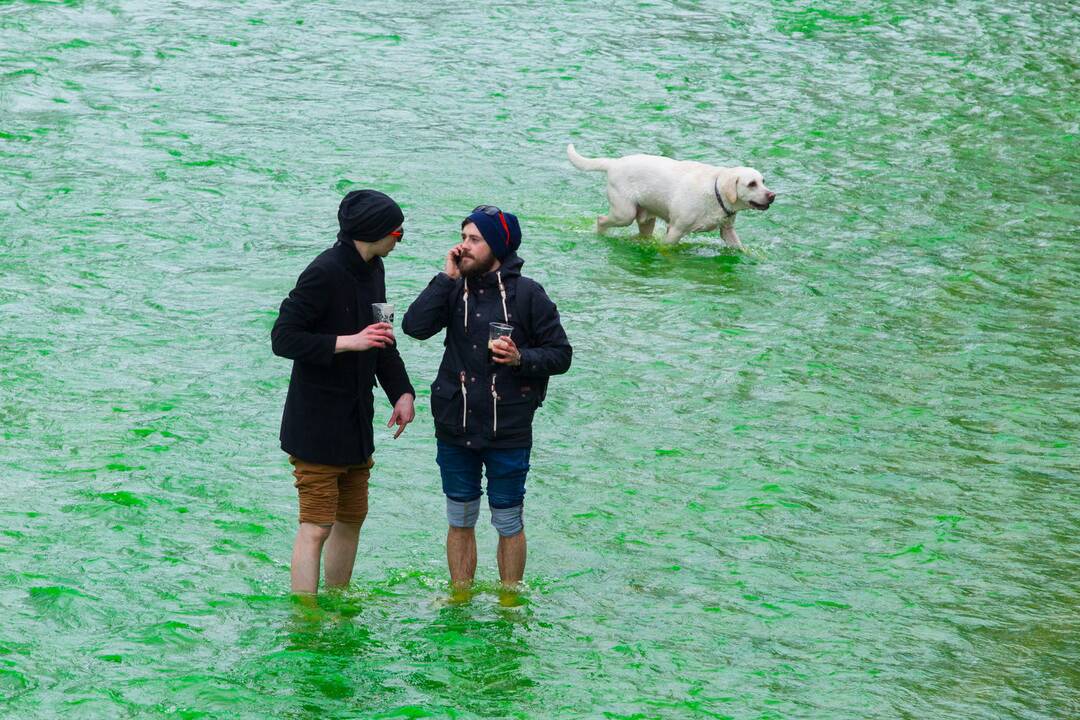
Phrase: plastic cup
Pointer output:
(497, 330)
(383, 312)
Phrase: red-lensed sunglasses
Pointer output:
(397, 234)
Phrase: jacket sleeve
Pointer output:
(430, 312)
(549, 350)
(292, 336)
(390, 370)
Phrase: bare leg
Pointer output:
(461, 556)
(341, 554)
(307, 551)
(511, 557)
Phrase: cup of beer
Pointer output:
(497, 330)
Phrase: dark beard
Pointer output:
(479, 268)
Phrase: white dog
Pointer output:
(689, 196)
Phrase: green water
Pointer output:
(835, 477)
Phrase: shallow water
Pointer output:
(835, 476)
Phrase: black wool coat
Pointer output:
(330, 406)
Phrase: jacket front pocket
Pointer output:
(511, 416)
(448, 406)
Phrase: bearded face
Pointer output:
(475, 267)
(474, 257)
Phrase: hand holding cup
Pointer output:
(373, 337)
(501, 346)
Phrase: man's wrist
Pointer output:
(343, 343)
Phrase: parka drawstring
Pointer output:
(466, 296)
(502, 292)
(464, 403)
(494, 392)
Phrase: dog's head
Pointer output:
(744, 187)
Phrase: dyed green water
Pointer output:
(835, 477)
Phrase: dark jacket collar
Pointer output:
(350, 257)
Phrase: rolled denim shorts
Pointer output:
(506, 471)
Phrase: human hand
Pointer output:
(404, 413)
(452, 259)
(505, 352)
(375, 336)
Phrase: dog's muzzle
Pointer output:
(765, 205)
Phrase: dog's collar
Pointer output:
(716, 190)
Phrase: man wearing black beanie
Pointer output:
(487, 389)
(339, 349)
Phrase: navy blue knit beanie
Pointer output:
(367, 215)
(503, 239)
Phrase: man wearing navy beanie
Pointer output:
(327, 327)
(483, 403)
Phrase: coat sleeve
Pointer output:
(430, 312)
(390, 370)
(291, 336)
(549, 350)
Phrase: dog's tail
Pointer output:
(584, 163)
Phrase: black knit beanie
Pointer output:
(367, 215)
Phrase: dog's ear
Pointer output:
(729, 188)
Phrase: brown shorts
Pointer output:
(331, 492)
